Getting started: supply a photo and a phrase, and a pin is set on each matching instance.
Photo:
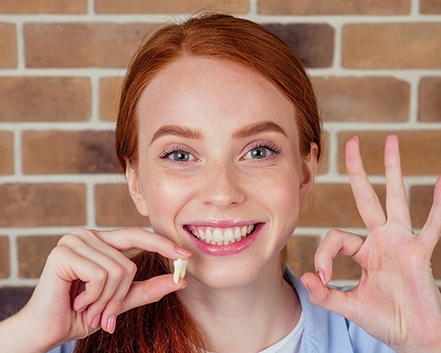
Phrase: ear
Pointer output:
(135, 189)
(309, 171)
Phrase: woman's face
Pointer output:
(219, 169)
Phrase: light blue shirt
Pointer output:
(325, 331)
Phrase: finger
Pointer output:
(366, 199)
(108, 305)
(71, 267)
(113, 299)
(431, 231)
(151, 290)
(119, 276)
(131, 238)
(328, 298)
(396, 199)
(336, 242)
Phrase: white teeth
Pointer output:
(218, 236)
(179, 272)
(208, 236)
(228, 236)
(222, 236)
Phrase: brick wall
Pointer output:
(376, 66)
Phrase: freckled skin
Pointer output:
(221, 180)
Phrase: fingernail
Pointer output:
(322, 276)
(96, 321)
(182, 251)
(111, 324)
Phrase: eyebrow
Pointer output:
(176, 130)
(250, 130)
(257, 128)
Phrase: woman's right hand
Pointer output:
(87, 282)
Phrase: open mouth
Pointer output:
(222, 236)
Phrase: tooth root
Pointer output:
(179, 271)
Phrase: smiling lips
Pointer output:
(221, 236)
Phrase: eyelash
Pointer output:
(265, 144)
(173, 149)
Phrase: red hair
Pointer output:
(166, 326)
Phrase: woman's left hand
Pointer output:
(397, 300)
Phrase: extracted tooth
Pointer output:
(180, 266)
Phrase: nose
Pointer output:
(222, 186)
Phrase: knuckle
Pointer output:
(68, 240)
(117, 271)
(59, 253)
(131, 268)
(332, 233)
(100, 275)
(83, 233)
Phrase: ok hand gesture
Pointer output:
(396, 300)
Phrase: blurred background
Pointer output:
(376, 66)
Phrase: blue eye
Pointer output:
(258, 153)
(180, 156)
(177, 154)
(262, 151)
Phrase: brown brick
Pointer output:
(333, 205)
(300, 258)
(45, 99)
(110, 92)
(8, 45)
(430, 6)
(313, 43)
(32, 254)
(336, 7)
(344, 267)
(323, 165)
(6, 152)
(68, 152)
(4, 257)
(420, 199)
(371, 99)
(43, 6)
(391, 45)
(114, 207)
(300, 253)
(45, 204)
(82, 44)
(420, 151)
(436, 261)
(170, 6)
(429, 102)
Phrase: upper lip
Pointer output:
(221, 223)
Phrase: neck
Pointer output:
(244, 319)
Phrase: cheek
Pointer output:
(284, 197)
(165, 197)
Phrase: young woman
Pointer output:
(219, 136)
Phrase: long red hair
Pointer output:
(166, 326)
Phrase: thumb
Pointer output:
(151, 290)
(326, 297)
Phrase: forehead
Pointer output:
(204, 92)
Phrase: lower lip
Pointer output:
(230, 249)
